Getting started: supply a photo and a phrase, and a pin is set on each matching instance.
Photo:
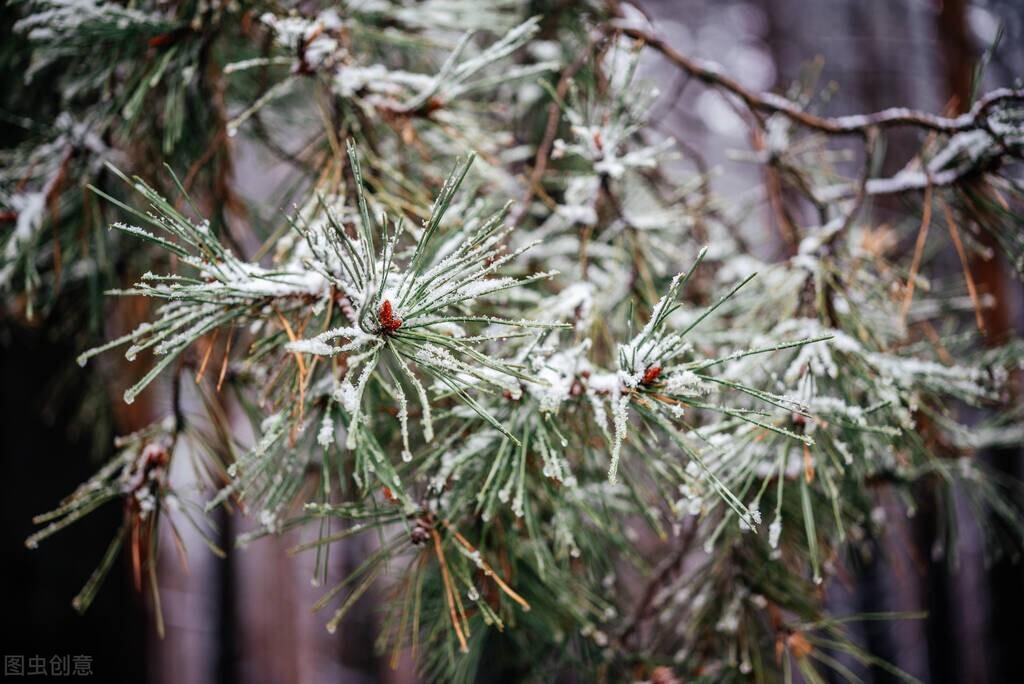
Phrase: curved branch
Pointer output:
(858, 124)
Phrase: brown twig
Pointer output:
(661, 573)
(858, 124)
(540, 163)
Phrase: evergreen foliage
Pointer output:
(487, 319)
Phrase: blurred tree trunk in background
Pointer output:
(1003, 632)
(41, 444)
(947, 662)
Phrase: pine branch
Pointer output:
(856, 124)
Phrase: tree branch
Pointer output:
(713, 75)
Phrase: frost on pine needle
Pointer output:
(55, 21)
(398, 310)
(380, 89)
(31, 181)
(138, 477)
(605, 137)
(657, 368)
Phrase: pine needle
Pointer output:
(972, 290)
(449, 590)
(922, 237)
(487, 568)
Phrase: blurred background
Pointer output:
(247, 619)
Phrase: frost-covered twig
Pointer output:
(857, 124)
